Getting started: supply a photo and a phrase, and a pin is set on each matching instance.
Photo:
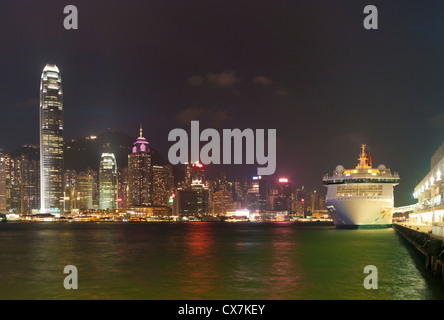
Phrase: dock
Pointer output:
(427, 240)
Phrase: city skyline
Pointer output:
(325, 98)
(197, 151)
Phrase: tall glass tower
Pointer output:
(108, 181)
(51, 140)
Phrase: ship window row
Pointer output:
(344, 181)
(359, 194)
(350, 198)
(349, 188)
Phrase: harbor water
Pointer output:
(207, 260)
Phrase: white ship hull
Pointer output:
(361, 213)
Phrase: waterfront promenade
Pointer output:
(428, 241)
(434, 230)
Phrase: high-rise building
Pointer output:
(139, 173)
(4, 168)
(300, 203)
(69, 190)
(281, 195)
(240, 189)
(96, 187)
(51, 140)
(21, 170)
(314, 201)
(221, 202)
(222, 183)
(84, 191)
(162, 185)
(192, 201)
(108, 182)
(257, 195)
(194, 173)
(123, 187)
(29, 184)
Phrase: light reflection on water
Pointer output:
(207, 261)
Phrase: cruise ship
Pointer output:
(361, 197)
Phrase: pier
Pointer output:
(428, 241)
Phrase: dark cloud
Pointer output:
(212, 117)
(33, 102)
(436, 121)
(226, 79)
(196, 80)
(282, 92)
(262, 80)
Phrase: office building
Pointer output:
(51, 140)
(139, 174)
(108, 182)
(163, 185)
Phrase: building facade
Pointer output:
(162, 185)
(430, 192)
(108, 182)
(222, 201)
(84, 191)
(139, 174)
(51, 140)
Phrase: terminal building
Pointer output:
(430, 192)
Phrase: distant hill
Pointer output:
(32, 152)
(86, 152)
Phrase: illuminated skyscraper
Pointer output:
(4, 168)
(25, 186)
(194, 172)
(139, 174)
(108, 181)
(281, 195)
(51, 140)
(257, 195)
(162, 184)
(84, 190)
(222, 201)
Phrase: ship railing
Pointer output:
(360, 175)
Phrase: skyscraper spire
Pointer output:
(141, 131)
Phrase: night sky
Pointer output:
(306, 68)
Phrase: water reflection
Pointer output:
(198, 264)
(285, 274)
(205, 261)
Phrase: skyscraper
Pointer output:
(4, 168)
(25, 167)
(108, 181)
(194, 172)
(162, 184)
(84, 190)
(139, 174)
(51, 140)
(281, 195)
(221, 202)
(257, 195)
